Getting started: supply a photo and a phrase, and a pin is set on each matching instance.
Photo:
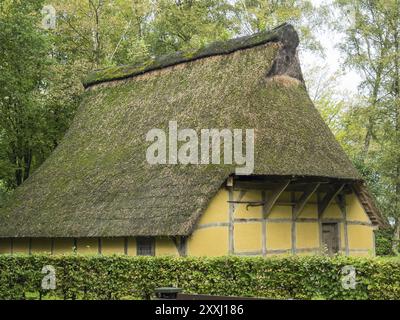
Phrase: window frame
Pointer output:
(145, 246)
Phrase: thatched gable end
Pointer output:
(286, 61)
(97, 183)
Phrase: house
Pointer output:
(97, 193)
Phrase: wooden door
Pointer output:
(330, 237)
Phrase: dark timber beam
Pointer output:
(298, 208)
(274, 197)
(340, 201)
(240, 197)
(329, 197)
(181, 245)
(294, 186)
(229, 181)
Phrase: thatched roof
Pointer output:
(98, 183)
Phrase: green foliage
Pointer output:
(40, 70)
(123, 277)
(3, 194)
(384, 242)
(185, 25)
(22, 62)
(106, 33)
(252, 16)
(368, 126)
(37, 98)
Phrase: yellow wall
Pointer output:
(211, 236)
(131, 247)
(212, 240)
(39, 245)
(354, 209)
(307, 235)
(217, 209)
(279, 236)
(360, 237)
(240, 209)
(112, 246)
(5, 245)
(21, 245)
(342, 237)
(247, 233)
(163, 246)
(208, 242)
(361, 253)
(87, 245)
(247, 237)
(309, 211)
(63, 245)
(166, 247)
(333, 212)
(281, 212)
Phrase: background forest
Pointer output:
(42, 61)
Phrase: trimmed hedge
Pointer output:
(123, 277)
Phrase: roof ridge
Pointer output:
(284, 33)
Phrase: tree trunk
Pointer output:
(18, 172)
(396, 94)
(396, 238)
(27, 163)
(371, 120)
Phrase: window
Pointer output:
(145, 246)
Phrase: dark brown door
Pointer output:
(330, 238)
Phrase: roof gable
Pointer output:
(284, 34)
(98, 182)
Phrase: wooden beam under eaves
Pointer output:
(276, 192)
(181, 245)
(229, 181)
(298, 208)
(328, 198)
(341, 202)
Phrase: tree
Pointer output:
(36, 101)
(257, 15)
(41, 69)
(188, 24)
(23, 61)
(97, 33)
(371, 47)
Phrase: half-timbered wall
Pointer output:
(238, 222)
(106, 246)
(231, 226)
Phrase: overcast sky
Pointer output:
(334, 58)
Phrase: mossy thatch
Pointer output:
(280, 33)
(98, 182)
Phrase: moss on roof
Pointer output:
(98, 182)
(279, 33)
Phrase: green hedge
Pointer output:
(384, 242)
(122, 277)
